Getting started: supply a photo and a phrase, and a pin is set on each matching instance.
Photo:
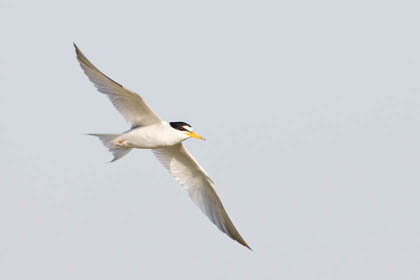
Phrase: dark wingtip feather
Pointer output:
(246, 245)
(76, 48)
(241, 241)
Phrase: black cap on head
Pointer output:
(180, 126)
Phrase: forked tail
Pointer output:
(109, 141)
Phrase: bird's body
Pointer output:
(154, 136)
(165, 139)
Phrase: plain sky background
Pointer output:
(311, 114)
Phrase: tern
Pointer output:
(149, 131)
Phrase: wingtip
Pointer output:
(243, 243)
(238, 238)
(76, 48)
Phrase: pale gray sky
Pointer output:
(311, 114)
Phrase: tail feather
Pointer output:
(108, 141)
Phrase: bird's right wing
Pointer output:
(200, 187)
(129, 104)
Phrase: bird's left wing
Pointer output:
(128, 103)
(200, 187)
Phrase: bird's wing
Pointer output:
(129, 104)
(200, 187)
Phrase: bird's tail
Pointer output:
(109, 141)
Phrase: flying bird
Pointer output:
(149, 131)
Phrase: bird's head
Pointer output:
(186, 130)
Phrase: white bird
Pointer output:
(165, 139)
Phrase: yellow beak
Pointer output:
(195, 135)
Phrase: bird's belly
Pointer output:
(145, 143)
(145, 139)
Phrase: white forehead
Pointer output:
(189, 128)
